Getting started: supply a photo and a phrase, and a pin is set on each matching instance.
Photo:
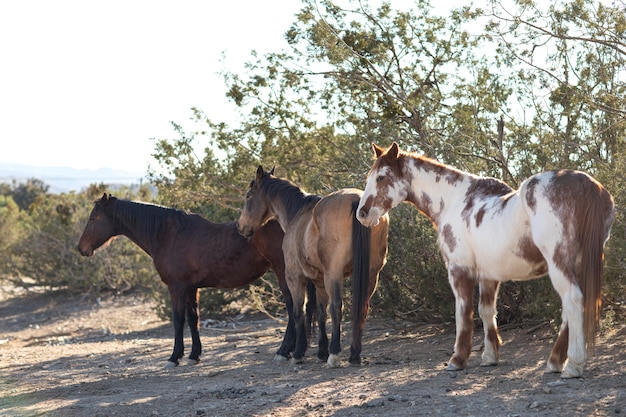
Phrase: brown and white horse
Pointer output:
(556, 223)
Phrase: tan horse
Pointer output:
(324, 243)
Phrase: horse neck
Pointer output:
(287, 200)
(138, 223)
(434, 187)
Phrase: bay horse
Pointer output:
(556, 223)
(190, 252)
(323, 243)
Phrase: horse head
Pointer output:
(257, 210)
(385, 186)
(99, 228)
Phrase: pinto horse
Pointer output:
(556, 223)
(323, 243)
(190, 252)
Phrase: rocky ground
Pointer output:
(63, 355)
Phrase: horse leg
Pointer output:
(178, 309)
(335, 315)
(193, 314)
(359, 325)
(322, 341)
(487, 311)
(296, 286)
(289, 340)
(463, 288)
(558, 356)
(571, 336)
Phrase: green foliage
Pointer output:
(25, 194)
(40, 246)
(538, 88)
(499, 91)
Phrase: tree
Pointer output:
(25, 194)
(355, 75)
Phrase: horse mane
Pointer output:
(144, 218)
(292, 196)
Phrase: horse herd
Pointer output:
(556, 223)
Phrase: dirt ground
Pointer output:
(63, 355)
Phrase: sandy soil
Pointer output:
(61, 355)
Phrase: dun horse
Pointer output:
(324, 243)
(556, 223)
(190, 252)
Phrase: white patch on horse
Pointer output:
(556, 223)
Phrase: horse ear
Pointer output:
(104, 197)
(272, 170)
(392, 152)
(259, 172)
(377, 150)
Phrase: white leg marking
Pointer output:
(294, 361)
(333, 361)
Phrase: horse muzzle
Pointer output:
(245, 231)
(367, 218)
(84, 251)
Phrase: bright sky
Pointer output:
(87, 84)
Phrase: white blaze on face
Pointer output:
(379, 196)
(366, 215)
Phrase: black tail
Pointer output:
(311, 305)
(360, 271)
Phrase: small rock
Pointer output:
(375, 403)
(533, 405)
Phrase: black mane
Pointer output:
(292, 196)
(149, 220)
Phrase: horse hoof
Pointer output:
(280, 358)
(170, 364)
(193, 361)
(333, 361)
(572, 371)
(489, 358)
(294, 361)
(552, 368)
(452, 367)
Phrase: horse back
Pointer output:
(332, 225)
(207, 254)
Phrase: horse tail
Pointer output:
(361, 237)
(311, 305)
(597, 218)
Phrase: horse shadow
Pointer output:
(403, 375)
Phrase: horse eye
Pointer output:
(380, 178)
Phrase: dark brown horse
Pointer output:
(190, 252)
(324, 243)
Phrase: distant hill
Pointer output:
(63, 179)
